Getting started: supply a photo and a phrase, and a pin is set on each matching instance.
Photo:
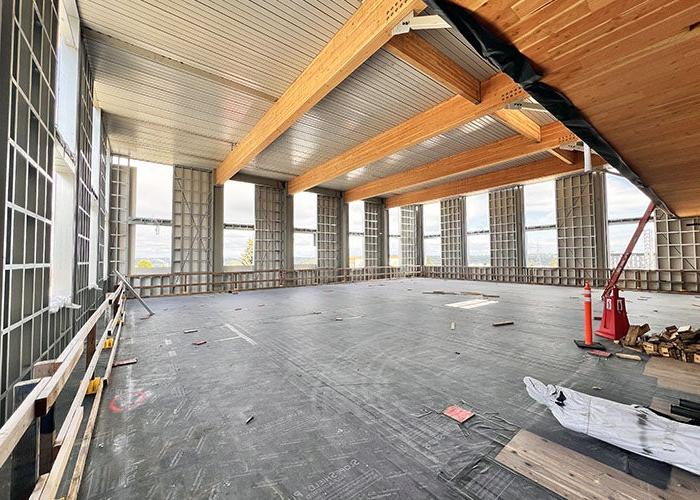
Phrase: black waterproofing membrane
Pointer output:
(508, 59)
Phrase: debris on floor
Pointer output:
(597, 318)
(487, 296)
(452, 326)
(637, 429)
(191, 330)
(599, 353)
(503, 323)
(631, 357)
(682, 343)
(339, 319)
(458, 413)
(199, 342)
(250, 419)
(633, 334)
(124, 362)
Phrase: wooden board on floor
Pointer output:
(573, 475)
(674, 374)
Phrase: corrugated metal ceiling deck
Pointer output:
(157, 112)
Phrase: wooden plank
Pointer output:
(567, 157)
(674, 374)
(361, 36)
(519, 122)
(483, 156)
(20, 420)
(48, 489)
(456, 111)
(529, 171)
(53, 388)
(46, 368)
(576, 476)
(81, 460)
(422, 55)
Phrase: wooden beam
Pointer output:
(456, 111)
(361, 36)
(564, 155)
(422, 55)
(483, 156)
(535, 170)
(517, 121)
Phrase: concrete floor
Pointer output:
(342, 408)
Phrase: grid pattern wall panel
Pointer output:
(119, 182)
(83, 295)
(327, 234)
(408, 236)
(452, 236)
(372, 243)
(105, 162)
(506, 225)
(193, 196)
(580, 227)
(678, 250)
(270, 218)
(26, 169)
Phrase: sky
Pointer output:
(478, 212)
(239, 203)
(305, 210)
(431, 219)
(540, 204)
(154, 190)
(624, 200)
(356, 217)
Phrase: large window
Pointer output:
(478, 230)
(626, 205)
(239, 225)
(395, 237)
(305, 226)
(356, 236)
(432, 241)
(152, 217)
(541, 249)
(63, 239)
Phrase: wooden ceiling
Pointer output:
(632, 67)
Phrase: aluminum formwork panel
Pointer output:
(193, 192)
(372, 243)
(119, 196)
(581, 228)
(452, 236)
(327, 236)
(678, 252)
(27, 110)
(409, 236)
(270, 231)
(507, 233)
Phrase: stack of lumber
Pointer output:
(682, 343)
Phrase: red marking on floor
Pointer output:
(459, 414)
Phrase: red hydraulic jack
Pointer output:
(614, 324)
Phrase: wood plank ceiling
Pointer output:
(186, 82)
(631, 66)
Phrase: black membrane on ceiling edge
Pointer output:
(508, 59)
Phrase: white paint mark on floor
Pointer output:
(240, 335)
(471, 304)
(172, 354)
(168, 341)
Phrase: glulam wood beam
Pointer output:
(454, 112)
(423, 56)
(547, 167)
(511, 148)
(367, 30)
(520, 123)
(563, 155)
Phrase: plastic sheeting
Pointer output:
(630, 427)
(508, 59)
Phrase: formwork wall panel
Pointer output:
(507, 233)
(270, 234)
(409, 233)
(193, 196)
(452, 236)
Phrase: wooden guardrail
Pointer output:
(37, 473)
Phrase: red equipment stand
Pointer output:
(614, 324)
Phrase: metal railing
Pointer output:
(39, 456)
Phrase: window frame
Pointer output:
(470, 233)
(432, 236)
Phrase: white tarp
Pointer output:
(631, 427)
